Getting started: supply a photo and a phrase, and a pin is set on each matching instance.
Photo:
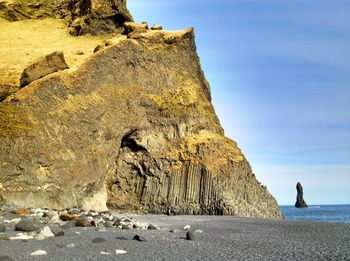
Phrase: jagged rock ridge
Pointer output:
(134, 128)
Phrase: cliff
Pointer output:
(130, 126)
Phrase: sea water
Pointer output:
(325, 213)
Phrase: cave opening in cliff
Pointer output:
(128, 141)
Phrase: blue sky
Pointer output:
(280, 77)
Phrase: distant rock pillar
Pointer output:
(300, 200)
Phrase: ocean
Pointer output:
(323, 213)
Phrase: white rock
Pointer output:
(55, 219)
(21, 237)
(198, 231)
(45, 233)
(71, 245)
(39, 253)
(77, 232)
(105, 253)
(188, 227)
(15, 220)
(119, 252)
(6, 221)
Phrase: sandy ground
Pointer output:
(223, 238)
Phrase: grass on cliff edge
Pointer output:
(23, 42)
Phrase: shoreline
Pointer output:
(217, 238)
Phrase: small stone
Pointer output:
(59, 234)
(26, 226)
(2, 228)
(21, 211)
(83, 222)
(55, 219)
(79, 53)
(105, 253)
(45, 233)
(67, 217)
(126, 226)
(121, 238)
(174, 231)
(6, 258)
(98, 240)
(190, 236)
(139, 238)
(152, 227)
(71, 245)
(21, 237)
(157, 27)
(14, 220)
(119, 252)
(4, 237)
(198, 231)
(39, 253)
(108, 224)
(187, 228)
(126, 220)
(68, 225)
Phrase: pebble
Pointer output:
(2, 228)
(71, 245)
(98, 240)
(21, 237)
(105, 253)
(188, 227)
(67, 217)
(83, 222)
(139, 238)
(4, 237)
(126, 226)
(45, 233)
(156, 27)
(26, 226)
(14, 220)
(39, 253)
(198, 231)
(190, 236)
(121, 238)
(6, 258)
(119, 251)
(108, 224)
(152, 227)
(174, 231)
(59, 234)
(20, 211)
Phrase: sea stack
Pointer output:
(130, 126)
(300, 200)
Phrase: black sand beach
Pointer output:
(223, 238)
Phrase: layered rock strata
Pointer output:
(132, 128)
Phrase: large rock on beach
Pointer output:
(132, 128)
(26, 226)
(300, 203)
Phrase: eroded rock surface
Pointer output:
(49, 64)
(82, 16)
(132, 128)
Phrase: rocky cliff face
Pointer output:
(131, 128)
